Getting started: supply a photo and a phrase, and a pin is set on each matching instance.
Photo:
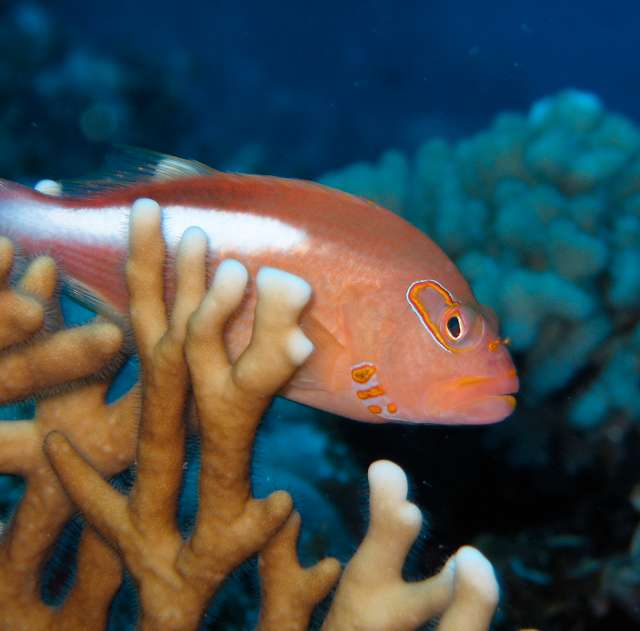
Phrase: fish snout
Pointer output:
(475, 399)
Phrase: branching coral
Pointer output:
(107, 434)
(372, 594)
(86, 440)
(176, 583)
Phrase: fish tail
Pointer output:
(38, 223)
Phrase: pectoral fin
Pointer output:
(319, 373)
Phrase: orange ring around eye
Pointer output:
(413, 297)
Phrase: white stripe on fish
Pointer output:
(240, 232)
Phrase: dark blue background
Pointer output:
(322, 84)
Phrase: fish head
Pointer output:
(436, 359)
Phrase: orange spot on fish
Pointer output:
(376, 391)
(374, 409)
(392, 408)
(495, 344)
(362, 374)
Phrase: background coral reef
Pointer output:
(540, 209)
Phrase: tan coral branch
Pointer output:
(61, 358)
(21, 314)
(373, 596)
(475, 593)
(29, 364)
(49, 360)
(176, 578)
(98, 577)
(289, 591)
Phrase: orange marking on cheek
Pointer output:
(362, 374)
(371, 393)
(495, 344)
(373, 397)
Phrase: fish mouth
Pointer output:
(475, 399)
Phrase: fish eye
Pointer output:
(454, 327)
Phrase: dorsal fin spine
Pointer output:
(129, 165)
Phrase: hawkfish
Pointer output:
(398, 333)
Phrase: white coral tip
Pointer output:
(299, 347)
(475, 571)
(410, 515)
(231, 277)
(145, 206)
(194, 241)
(387, 478)
(292, 289)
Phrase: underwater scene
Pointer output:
(319, 315)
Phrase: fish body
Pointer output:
(381, 288)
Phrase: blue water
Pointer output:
(322, 84)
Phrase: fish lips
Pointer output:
(474, 399)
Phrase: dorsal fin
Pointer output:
(128, 165)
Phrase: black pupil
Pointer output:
(453, 326)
